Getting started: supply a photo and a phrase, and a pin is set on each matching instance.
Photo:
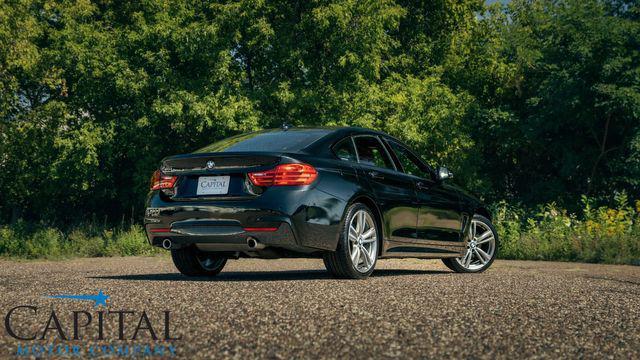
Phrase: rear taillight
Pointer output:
(162, 181)
(285, 174)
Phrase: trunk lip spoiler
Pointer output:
(272, 158)
(230, 154)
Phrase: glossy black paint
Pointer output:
(418, 216)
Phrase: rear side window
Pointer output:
(371, 152)
(268, 140)
(344, 150)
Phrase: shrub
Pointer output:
(604, 234)
(598, 234)
(80, 243)
(9, 243)
(130, 242)
(32, 241)
(44, 243)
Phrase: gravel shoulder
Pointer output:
(291, 308)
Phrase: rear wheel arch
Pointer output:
(371, 204)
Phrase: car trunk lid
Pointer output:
(206, 176)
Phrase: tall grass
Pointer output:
(599, 235)
(596, 234)
(25, 240)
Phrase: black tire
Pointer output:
(191, 262)
(452, 264)
(339, 263)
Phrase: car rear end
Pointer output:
(238, 201)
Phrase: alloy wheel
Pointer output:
(210, 262)
(363, 241)
(481, 247)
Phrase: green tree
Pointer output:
(558, 88)
(530, 101)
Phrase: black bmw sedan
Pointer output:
(348, 195)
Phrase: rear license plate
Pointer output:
(213, 185)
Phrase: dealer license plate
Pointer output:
(213, 185)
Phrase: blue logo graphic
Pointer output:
(99, 299)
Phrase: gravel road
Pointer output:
(292, 309)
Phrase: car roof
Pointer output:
(333, 132)
(319, 139)
(336, 133)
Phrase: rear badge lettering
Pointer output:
(153, 212)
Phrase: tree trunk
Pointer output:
(16, 213)
(601, 154)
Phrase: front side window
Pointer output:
(410, 163)
(344, 150)
(371, 152)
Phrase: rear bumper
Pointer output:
(297, 220)
(225, 237)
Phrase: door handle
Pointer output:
(421, 185)
(376, 175)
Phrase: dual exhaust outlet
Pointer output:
(252, 243)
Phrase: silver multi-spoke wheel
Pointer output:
(481, 247)
(357, 249)
(363, 241)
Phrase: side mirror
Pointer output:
(444, 173)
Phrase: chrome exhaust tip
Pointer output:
(166, 244)
(254, 244)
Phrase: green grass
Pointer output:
(608, 235)
(29, 241)
(600, 235)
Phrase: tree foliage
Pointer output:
(529, 101)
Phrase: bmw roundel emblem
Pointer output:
(210, 164)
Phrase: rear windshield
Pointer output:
(291, 140)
